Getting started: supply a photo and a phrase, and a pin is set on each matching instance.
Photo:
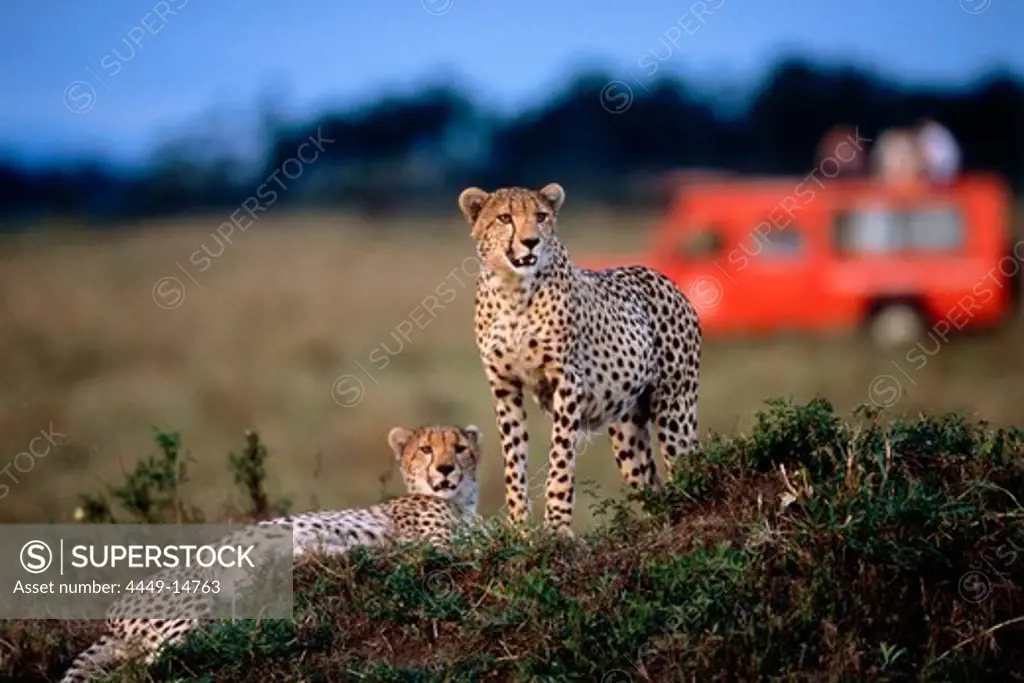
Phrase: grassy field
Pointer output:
(312, 329)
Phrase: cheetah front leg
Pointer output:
(510, 415)
(566, 433)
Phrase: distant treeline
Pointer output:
(605, 137)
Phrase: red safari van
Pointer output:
(813, 255)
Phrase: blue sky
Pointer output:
(140, 75)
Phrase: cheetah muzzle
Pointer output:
(523, 262)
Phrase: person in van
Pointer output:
(897, 156)
(938, 149)
(835, 145)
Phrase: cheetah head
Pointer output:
(438, 461)
(514, 228)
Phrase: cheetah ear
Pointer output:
(471, 202)
(473, 432)
(397, 439)
(554, 195)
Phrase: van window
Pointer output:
(703, 243)
(880, 230)
(935, 229)
(868, 230)
(782, 243)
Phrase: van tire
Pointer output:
(896, 324)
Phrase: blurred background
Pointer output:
(242, 215)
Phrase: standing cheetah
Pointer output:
(439, 469)
(616, 348)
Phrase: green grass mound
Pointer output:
(812, 549)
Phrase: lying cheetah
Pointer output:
(614, 348)
(439, 469)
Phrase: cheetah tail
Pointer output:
(104, 654)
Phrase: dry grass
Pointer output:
(296, 302)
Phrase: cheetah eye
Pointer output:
(541, 216)
(459, 448)
(426, 450)
(505, 218)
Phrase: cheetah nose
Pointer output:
(530, 242)
(445, 470)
